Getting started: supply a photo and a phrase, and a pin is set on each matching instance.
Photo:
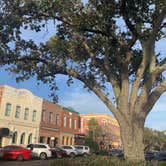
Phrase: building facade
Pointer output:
(70, 126)
(20, 112)
(109, 129)
(49, 132)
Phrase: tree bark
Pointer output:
(132, 133)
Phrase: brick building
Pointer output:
(110, 131)
(50, 123)
(69, 127)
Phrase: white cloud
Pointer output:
(84, 102)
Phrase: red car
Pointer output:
(15, 153)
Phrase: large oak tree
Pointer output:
(103, 43)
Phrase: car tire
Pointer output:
(43, 156)
(72, 155)
(59, 156)
(20, 158)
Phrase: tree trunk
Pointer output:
(132, 133)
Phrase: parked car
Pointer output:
(15, 153)
(82, 150)
(58, 152)
(160, 156)
(149, 155)
(116, 153)
(39, 150)
(70, 150)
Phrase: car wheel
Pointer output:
(43, 156)
(59, 156)
(72, 155)
(20, 158)
(85, 154)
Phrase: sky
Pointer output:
(76, 96)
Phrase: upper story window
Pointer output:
(70, 122)
(57, 120)
(8, 109)
(17, 114)
(104, 122)
(34, 116)
(50, 117)
(43, 115)
(26, 113)
(64, 120)
(75, 123)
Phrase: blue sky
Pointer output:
(77, 97)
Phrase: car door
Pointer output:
(79, 149)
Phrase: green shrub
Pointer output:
(101, 161)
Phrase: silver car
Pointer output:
(70, 150)
(82, 150)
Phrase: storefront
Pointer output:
(4, 132)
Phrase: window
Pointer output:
(34, 116)
(64, 121)
(70, 122)
(14, 138)
(17, 114)
(26, 113)
(30, 138)
(40, 146)
(8, 109)
(63, 140)
(71, 141)
(43, 115)
(22, 138)
(57, 119)
(50, 117)
(79, 147)
(42, 139)
(75, 123)
(104, 122)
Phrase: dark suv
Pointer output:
(116, 153)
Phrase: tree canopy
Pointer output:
(103, 43)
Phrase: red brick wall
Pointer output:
(73, 116)
(49, 129)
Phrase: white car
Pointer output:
(70, 150)
(42, 151)
(82, 150)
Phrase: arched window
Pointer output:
(63, 140)
(71, 141)
(30, 138)
(14, 138)
(67, 140)
(22, 138)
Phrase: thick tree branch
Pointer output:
(160, 67)
(105, 68)
(147, 50)
(154, 96)
(94, 88)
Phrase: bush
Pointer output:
(101, 161)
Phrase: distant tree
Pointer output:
(154, 140)
(106, 44)
(94, 129)
(92, 144)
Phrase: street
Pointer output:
(27, 163)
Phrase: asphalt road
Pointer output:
(27, 163)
